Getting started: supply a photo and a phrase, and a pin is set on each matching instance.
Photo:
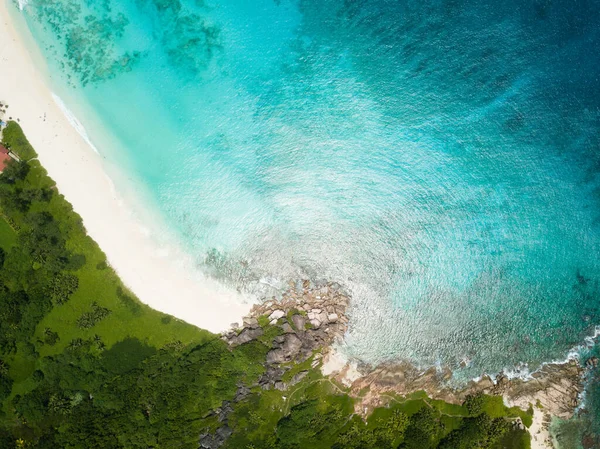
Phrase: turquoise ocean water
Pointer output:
(440, 159)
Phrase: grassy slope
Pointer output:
(97, 283)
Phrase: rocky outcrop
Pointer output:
(216, 439)
(312, 317)
(555, 388)
(246, 336)
(321, 305)
(309, 317)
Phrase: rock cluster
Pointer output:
(323, 305)
(214, 440)
(310, 317)
(556, 387)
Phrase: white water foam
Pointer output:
(522, 371)
(22, 4)
(73, 121)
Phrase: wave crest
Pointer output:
(75, 123)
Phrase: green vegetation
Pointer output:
(83, 364)
(90, 319)
(317, 415)
(14, 139)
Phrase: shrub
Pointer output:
(474, 404)
(15, 139)
(62, 287)
(90, 319)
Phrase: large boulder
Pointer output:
(275, 356)
(250, 322)
(276, 315)
(299, 322)
(291, 345)
(245, 336)
(323, 317)
(287, 328)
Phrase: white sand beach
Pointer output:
(158, 280)
(540, 435)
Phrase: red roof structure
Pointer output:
(4, 158)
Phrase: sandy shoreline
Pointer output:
(540, 435)
(158, 279)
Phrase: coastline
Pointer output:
(130, 250)
(163, 278)
(552, 391)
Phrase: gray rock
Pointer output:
(276, 315)
(250, 322)
(272, 375)
(287, 328)
(275, 356)
(319, 336)
(245, 336)
(242, 393)
(224, 411)
(292, 345)
(224, 432)
(304, 355)
(299, 321)
(297, 378)
(216, 440)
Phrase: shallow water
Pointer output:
(440, 159)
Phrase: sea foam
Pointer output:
(75, 123)
(22, 4)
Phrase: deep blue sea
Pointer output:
(439, 158)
